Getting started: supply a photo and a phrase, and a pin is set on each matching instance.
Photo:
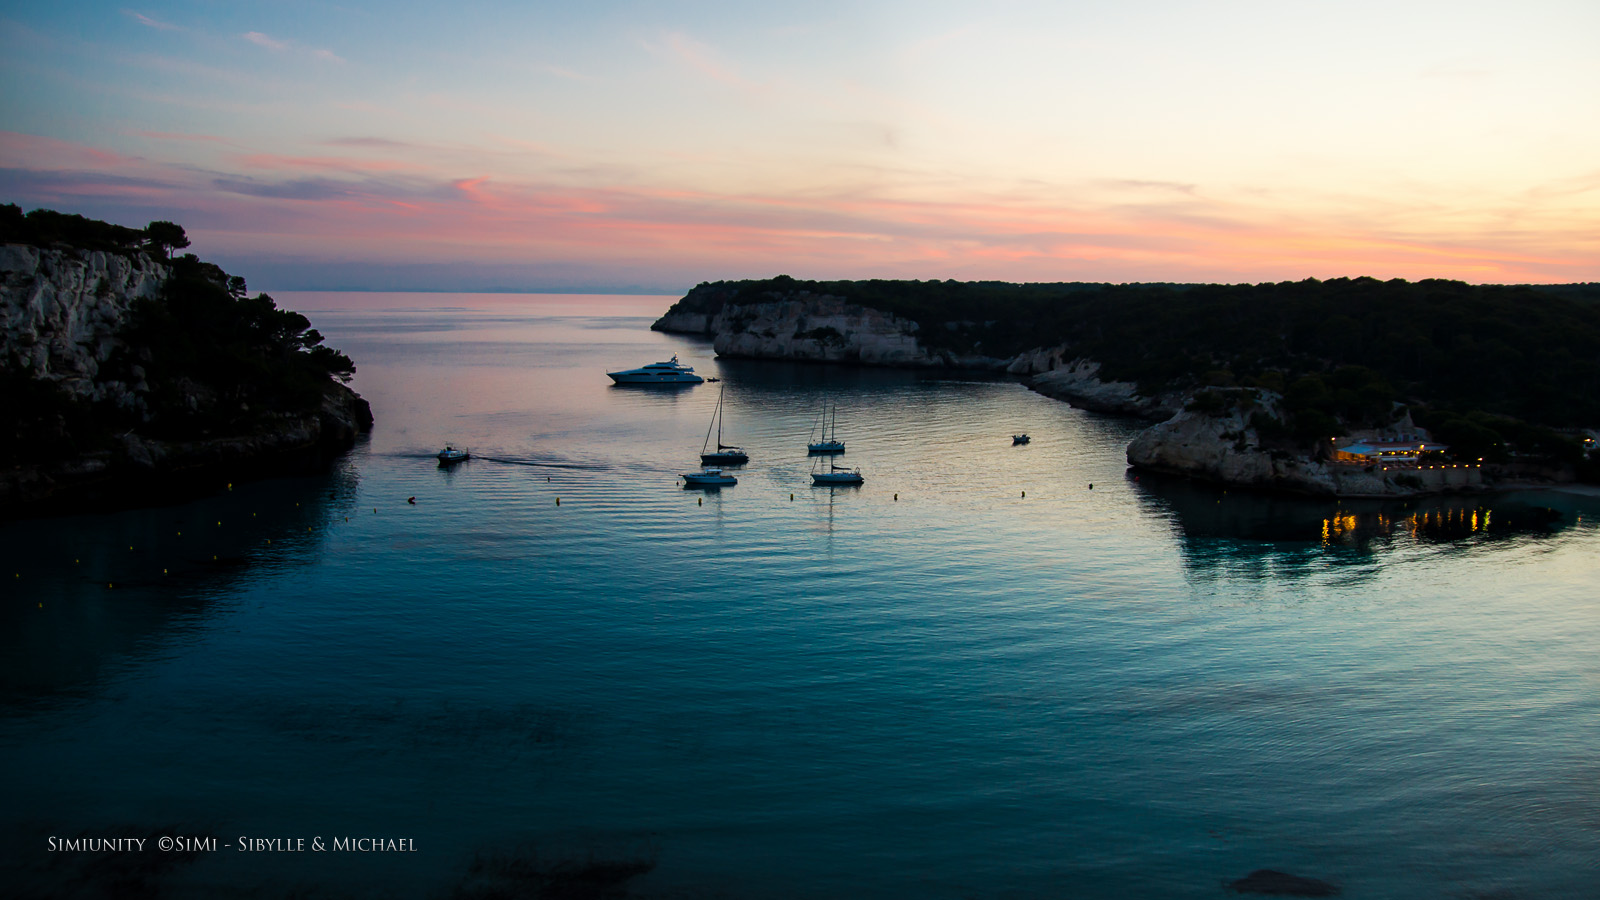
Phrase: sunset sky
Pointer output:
(651, 146)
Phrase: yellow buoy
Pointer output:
(558, 501)
(699, 501)
(791, 496)
(1024, 493)
(897, 498)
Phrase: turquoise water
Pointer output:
(927, 686)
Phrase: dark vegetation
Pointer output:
(48, 228)
(217, 362)
(1491, 369)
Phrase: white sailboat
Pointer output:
(725, 454)
(829, 442)
(832, 474)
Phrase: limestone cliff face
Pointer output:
(1225, 447)
(820, 328)
(823, 328)
(61, 312)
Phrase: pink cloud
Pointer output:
(389, 209)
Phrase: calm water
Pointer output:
(1143, 689)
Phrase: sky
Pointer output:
(484, 146)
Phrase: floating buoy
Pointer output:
(219, 522)
(163, 571)
(897, 498)
(130, 546)
(109, 585)
(558, 501)
(269, 540)
(374, 510)
(230, 485)
(1091, 485)
(547, 479)
(791, 496)
(1024, 494)
(700, 501)
(180, 534)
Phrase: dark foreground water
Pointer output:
(1143, 689)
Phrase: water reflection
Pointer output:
(1215, 526)
(91, 590)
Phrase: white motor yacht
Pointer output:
(451, 455)
(669, 372)
(708, 477)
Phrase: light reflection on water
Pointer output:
(928, 686)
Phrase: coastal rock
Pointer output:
(63, 316)
(802, 325)
(1078, 382)
(141, 470)
(1225, 447)
(61, 310)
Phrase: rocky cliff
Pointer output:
(84, 415)
(1225, 446)
(801, 325)
(62, 314)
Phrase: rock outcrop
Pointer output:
(801, 325)
(1226, 447)
(64, 315)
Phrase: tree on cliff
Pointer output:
(166, 237)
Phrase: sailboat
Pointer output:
(836, 475)
(827, 444)
(725, 454)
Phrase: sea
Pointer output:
(990, 671)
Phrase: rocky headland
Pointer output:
(117, 381)
(1250, 437)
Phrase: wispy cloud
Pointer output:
(280, 46)
(261, 40)
(149, 22)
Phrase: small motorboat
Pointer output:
(1019, 439)
(449, 456)
(709, 476)
(837, 475)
